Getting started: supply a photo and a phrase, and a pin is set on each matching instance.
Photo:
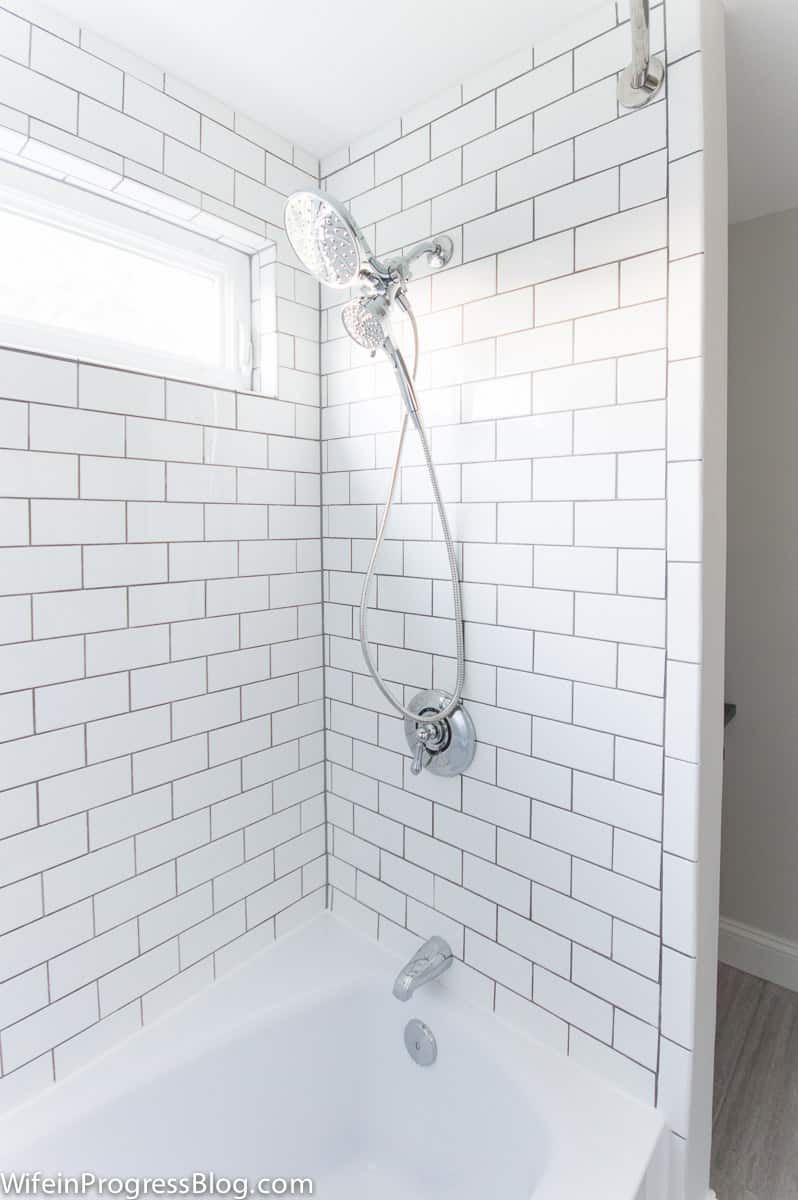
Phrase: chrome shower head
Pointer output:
(325, 238)
(364, 320)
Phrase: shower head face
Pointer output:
(324, 237)
(364, 321)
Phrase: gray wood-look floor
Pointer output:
(755, 1116)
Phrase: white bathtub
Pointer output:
(295, 1066)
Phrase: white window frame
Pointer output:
(73, 208)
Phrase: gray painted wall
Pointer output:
(759, 882)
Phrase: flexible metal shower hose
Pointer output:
(454, 702)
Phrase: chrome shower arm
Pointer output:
(641, 42)
(393, 274)
(641, 81)
(439, 249)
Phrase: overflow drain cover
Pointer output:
(420, 1043)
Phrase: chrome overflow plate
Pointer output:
(442, 747)
(420, 1043)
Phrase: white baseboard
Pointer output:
(759, 953)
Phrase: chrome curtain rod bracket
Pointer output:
(642, 79)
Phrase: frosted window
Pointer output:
(93, 287)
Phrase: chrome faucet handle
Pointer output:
(418, 759)
(427, 736)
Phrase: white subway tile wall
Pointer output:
(161, 719)
(161, 755)
(171, 678)
(565, 414)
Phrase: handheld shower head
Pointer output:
(364, 320)
(325, 238)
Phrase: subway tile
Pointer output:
(685, 107)
(498, 963)
(579, 922)
(573, 1004)
(64, 429)
(30, 852)
(537, 862)
(220, 143)
(464, 124)
(576, 203)
(534, 89)
(123, 818)
(498, 231)
(571, 746)
(576, 295)
(85, 700)
(88, 874)
(584, 477)
(170, 761)
(578, 658)
(401, 155)
(614, 894)
(121, 479)
(106, 127)
(13, 424)
(127, 733)
(465, 203)
(163, 440)
(621, 619)
(106, 566)
(16, 37)
(199, 405)
(138, 977)
(577, 568)
(494, 150)
(38, 96)
(586, 385)
(534, 262)
(544, 948)
(585, 109)
(623, 523)
(621, 428)
(432, 179)
(638, 134)
(535, 174)
(156, 108)
(14, 523)
(200, 171)
(626, 713)
(22, 761)
(56, 522)
(636, 231)
(29, 474)
(39, 379)
(623, 331)
(45, 1029)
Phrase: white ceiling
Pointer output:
(324, 72)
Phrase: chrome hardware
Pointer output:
(642, 79)
(420, 1043)
(431, 740)
(430, 961)
(443, 747)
